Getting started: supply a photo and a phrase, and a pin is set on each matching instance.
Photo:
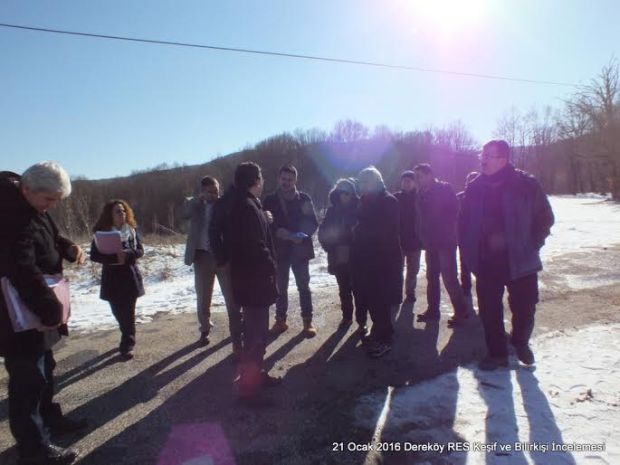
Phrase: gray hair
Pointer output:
(372, 174)
(47, 176)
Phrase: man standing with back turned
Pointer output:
(503, 224)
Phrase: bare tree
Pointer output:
(597, 108)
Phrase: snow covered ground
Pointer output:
(513, 416)
(583, 223)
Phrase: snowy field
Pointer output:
(513, 416)
(584, 223)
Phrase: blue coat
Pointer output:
(527, 219)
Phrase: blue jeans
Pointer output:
(301, 271)
(31, 388)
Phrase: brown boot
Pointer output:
(279, 326)
(309, 330)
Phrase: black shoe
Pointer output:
(126, 352)
(61, 425)
(362, 330)
(379, 350)
(456, 321)
(492, 363)
(204, 340)
(429, 316)
(52, 455)
(525, 354)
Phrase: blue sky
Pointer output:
(105, 108)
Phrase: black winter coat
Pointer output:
(218, 236)
(120, 282)
(409, 240)
(336, 232)
(376, 256)
(299, 217)
(30, 247)
(252, 255)
(437, 210)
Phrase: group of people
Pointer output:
(498, 224)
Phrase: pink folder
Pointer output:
(22, 318)
(108, 242)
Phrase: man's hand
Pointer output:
(268, 216)
(76, 252)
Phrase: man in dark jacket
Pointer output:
(465, 273)
(218, 240)
(504, 221)
(437, 209)
(377, 259)
(253, 272)
(409, 241)
(30, 248)
(294, 223)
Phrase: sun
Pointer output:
(447, 17)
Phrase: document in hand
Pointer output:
(108, 242)
(22, 318)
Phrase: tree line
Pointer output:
(570, 150)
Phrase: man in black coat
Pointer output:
(253, 272)
(437, 207)
(294, 223)
(376, 259)
(409, 241)
(504, 221)
(30, 249)
(218, 240)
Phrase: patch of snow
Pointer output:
(516, 415)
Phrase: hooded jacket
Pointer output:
(336, 230)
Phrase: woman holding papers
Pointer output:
(117, 246)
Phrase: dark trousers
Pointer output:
(443, 262)
(522, 298)
(465, 276)
(412, 260)
(382, 329)
(301, 271)
(31, 388)
(345, 291)
(255, 331)
(124, 311)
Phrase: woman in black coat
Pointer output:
(377, 258)
(336, 237)
(121, 281)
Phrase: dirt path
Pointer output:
(133, 406)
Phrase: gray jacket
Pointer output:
(527, 217)
(193, 210)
